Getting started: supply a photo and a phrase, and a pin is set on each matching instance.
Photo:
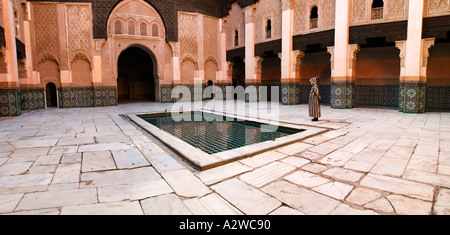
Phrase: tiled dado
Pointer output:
(196, 92)
(105, 96)
(324, 91)
(290, 93)
(10, 102)
(32, 99)
(412, 97)
(79, 97)
(377, 95)
(342, 95)
(438, 98)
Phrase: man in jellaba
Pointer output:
(314, 100)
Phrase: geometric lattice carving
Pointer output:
(118, 27)
(359, 11)
(327, 11)
(1, 10)
(143, 29)
(235, 22)
(211, 37)
(79, 28)
(300, 17)
(45, 27)
(188, 33)
(434, 7)
(131, 27)
(396, 9)
(268, 9)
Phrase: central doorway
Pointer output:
(136, 80)
(51, 95)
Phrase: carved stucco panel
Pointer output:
(235, 21)
(265, 10)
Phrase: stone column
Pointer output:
(223, 80)
(413, 88)
(9, 83)
(252, 77)
(66, 74)
(12, 78)
(32, 93)
(290, 91)
(414, 57)
(343, 58)
(165, 87)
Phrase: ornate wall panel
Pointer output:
(1, 10)
(188, 35)
(267, 9)
(327, 11)
(393, 10)
(300, 18)
(45, 28)
(235, 21)
(79, 30)
(211, 37)
(437, 7)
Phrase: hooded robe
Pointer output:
(314, 99)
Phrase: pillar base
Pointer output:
(412, 97)
(290, 93)
(10, 102)
(342, 95)
(252, 92)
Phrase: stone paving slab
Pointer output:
(399, 186)
(211, 204)
(246, 198)
(114, 208)
(129, 158)
(185, 184)
(97, 161)
(57, 198)
(266, 174)
(301, 199)
(133, 192)
(169, 204)
(220, 173)
(118, 177)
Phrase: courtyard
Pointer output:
(97, 161)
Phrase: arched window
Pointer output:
(118, 27)
(236, 38)
(143, 29)
(313, 18)
(155, 30)
(131, 28)
(269, 29)
(377, 9)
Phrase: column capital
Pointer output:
(287, 5)
(175, 48)
(426, 44)
(401, 45)
(353, 49)
(249, 13)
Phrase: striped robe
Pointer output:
(314, 99)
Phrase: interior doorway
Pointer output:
(136, 80)
(51, 95)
